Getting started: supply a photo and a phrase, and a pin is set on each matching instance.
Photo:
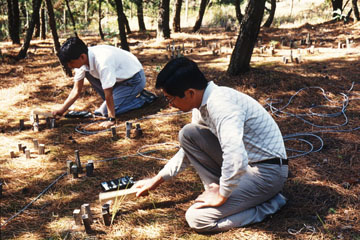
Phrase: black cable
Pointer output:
(30, 203)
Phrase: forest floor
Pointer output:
(323, 188)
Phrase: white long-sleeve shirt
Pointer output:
(246, 131)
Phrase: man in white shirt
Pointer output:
(234, 145)
(116, 75)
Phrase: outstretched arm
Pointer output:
(73, 96)
(110, 107)
(146, 185)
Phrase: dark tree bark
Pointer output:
(140, 15)
(120, 13)
(249, 30)
(200, 17)
(100, 17)
(163, 29)
(14, 21)
(336, 4)
(52, 24)
(37, 28)
(71, 17)
(355, 10)
(176, 21)
(239, 16)
(126, 22)
(271, 14)
(30, 30)
(43, 23)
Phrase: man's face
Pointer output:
(77, 63)
(184, 104)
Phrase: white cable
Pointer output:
(167, 145)
(280, 112)
(306, 227)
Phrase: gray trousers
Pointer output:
(124, 93)
(256, 196)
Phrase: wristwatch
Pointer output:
(111, 119)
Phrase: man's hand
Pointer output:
(107, 124)
(73, 96)
(146, 185)
(211, 197)
(58, 112)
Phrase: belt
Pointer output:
(273, 161)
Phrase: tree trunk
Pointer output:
(14, 21)
(200, 17)
(355, 10)
(100, 17)
(336, 4)
(140, 15)
(37, 28)
(163, 29)
(239, 16)
(86, 12)
(271, 14)
(126, 22)
(120, 13)
(43, 23)
(176, 22)
(52, 23)
(249, 30)
(30, 30)
(71, 17)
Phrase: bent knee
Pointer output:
(197, 220)
(187, 132)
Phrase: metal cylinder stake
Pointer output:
(52, 123)
(41, 148)
(113, 132)
(69, 164)
(87, 223)
(85, 209)
(77, 217)
(27, 153)
(106, 217)
(36, 144)
(128, 129)
(22, 125)
(74, 171)
(48, 124)
(77, 161)
(89, 170)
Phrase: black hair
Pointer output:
(180, 74)
(71, 49)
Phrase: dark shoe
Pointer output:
(147, 96)
(82, 114)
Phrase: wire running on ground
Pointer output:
(280, 112)
(35, 199)
(167, 146)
